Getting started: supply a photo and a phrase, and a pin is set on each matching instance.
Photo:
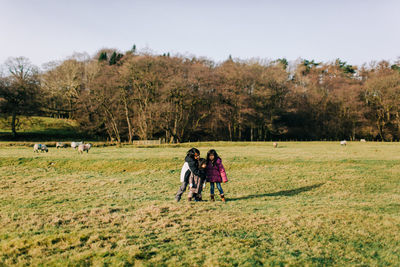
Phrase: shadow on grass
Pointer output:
(287, 193)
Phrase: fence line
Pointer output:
(147, 142)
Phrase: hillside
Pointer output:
(40, 129)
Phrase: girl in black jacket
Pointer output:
(191, 165)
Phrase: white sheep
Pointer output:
(343, 143)
(275, 144)
(363, 140)
(76, 144)
(84, 147)
(60, 145)
(40, 147)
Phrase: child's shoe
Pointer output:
(212, 197)
(189, 199)
(222, 197)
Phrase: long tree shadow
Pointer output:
(290, 192)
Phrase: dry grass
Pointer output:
(299, 204)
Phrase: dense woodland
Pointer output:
(131, 95)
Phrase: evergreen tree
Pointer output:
(283, 61)
(119, 56)
(345, 67)
(113, 59)
(395, 67)
(309, 64)
(103, 56)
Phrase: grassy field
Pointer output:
(309, 203)
(40, 129)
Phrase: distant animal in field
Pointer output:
(40, 147)
(60, 145)
(84, 147)
(363, 140)
(76, 144)
(343, 143)
(275, 144)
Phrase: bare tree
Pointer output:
(62, 85)
(382, 96)
(20, 90)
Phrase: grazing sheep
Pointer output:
(76, 144)
(363, 140)
(84, 147)
(40, 147)
(60, 145)
(275, 144)
(343, 143)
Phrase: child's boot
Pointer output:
(222, 197)
(212, 197)
(189, 198)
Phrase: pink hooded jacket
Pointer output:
(216, 173)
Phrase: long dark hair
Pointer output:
(212, 151)
(192, 151)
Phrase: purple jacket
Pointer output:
(216, 173)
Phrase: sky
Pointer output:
(356, 31)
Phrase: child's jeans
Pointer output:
(218, 186)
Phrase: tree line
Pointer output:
(127, 96)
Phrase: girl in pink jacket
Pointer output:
(215, 172)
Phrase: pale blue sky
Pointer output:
(356, 31)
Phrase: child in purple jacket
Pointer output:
(215, 173)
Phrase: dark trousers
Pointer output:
(218, 186)
(181, 190)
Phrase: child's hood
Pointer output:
(190, 159)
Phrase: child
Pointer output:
(191, 165)
(215, 173)
(196, 182)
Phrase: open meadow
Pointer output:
(303, 203)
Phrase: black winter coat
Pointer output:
(194, 168)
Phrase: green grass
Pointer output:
(40, 129)
(310, 203)
(35, 123)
